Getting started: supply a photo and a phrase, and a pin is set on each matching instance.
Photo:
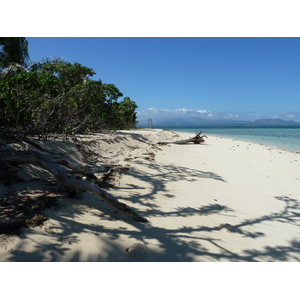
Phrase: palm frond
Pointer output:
(12, 69)
(14, 50)
(33, 66)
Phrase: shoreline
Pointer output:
(224, 200)
(295, 148)
(257, 143)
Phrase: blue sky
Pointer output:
(241, 78)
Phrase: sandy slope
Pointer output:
(225, 200)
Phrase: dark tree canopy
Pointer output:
(14, 54)
(54, 96)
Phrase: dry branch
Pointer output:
(75, 167)
(197, 139)
(71, 184)
(108, 174)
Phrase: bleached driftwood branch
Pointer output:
(197, 139)
(75, 167)
(71, 184)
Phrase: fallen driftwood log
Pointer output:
(52, 165)
(197, 139)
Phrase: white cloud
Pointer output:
(181, 111)
(151, 109)
(159, 115)
(291, 116)
(232, 116)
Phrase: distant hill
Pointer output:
(274, 122)
(196, 122)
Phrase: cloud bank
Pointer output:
(184, 115)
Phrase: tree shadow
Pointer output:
(67, 236)
(185, 243)
(204, 210)
(158, 180)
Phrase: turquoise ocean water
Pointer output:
(281, 137)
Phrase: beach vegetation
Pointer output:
(54, 96)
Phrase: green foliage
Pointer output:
(59, 97)
(14, 55)
(54, 96)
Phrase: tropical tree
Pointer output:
(39, 65)
(58, 97)
(14, 55)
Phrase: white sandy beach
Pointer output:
(224, 200)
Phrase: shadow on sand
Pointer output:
(180, 244)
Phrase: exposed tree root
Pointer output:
(71, 184)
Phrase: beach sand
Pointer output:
(221, 201)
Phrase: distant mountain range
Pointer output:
(275, 122)
(195, 122)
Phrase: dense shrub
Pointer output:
(59, 97)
